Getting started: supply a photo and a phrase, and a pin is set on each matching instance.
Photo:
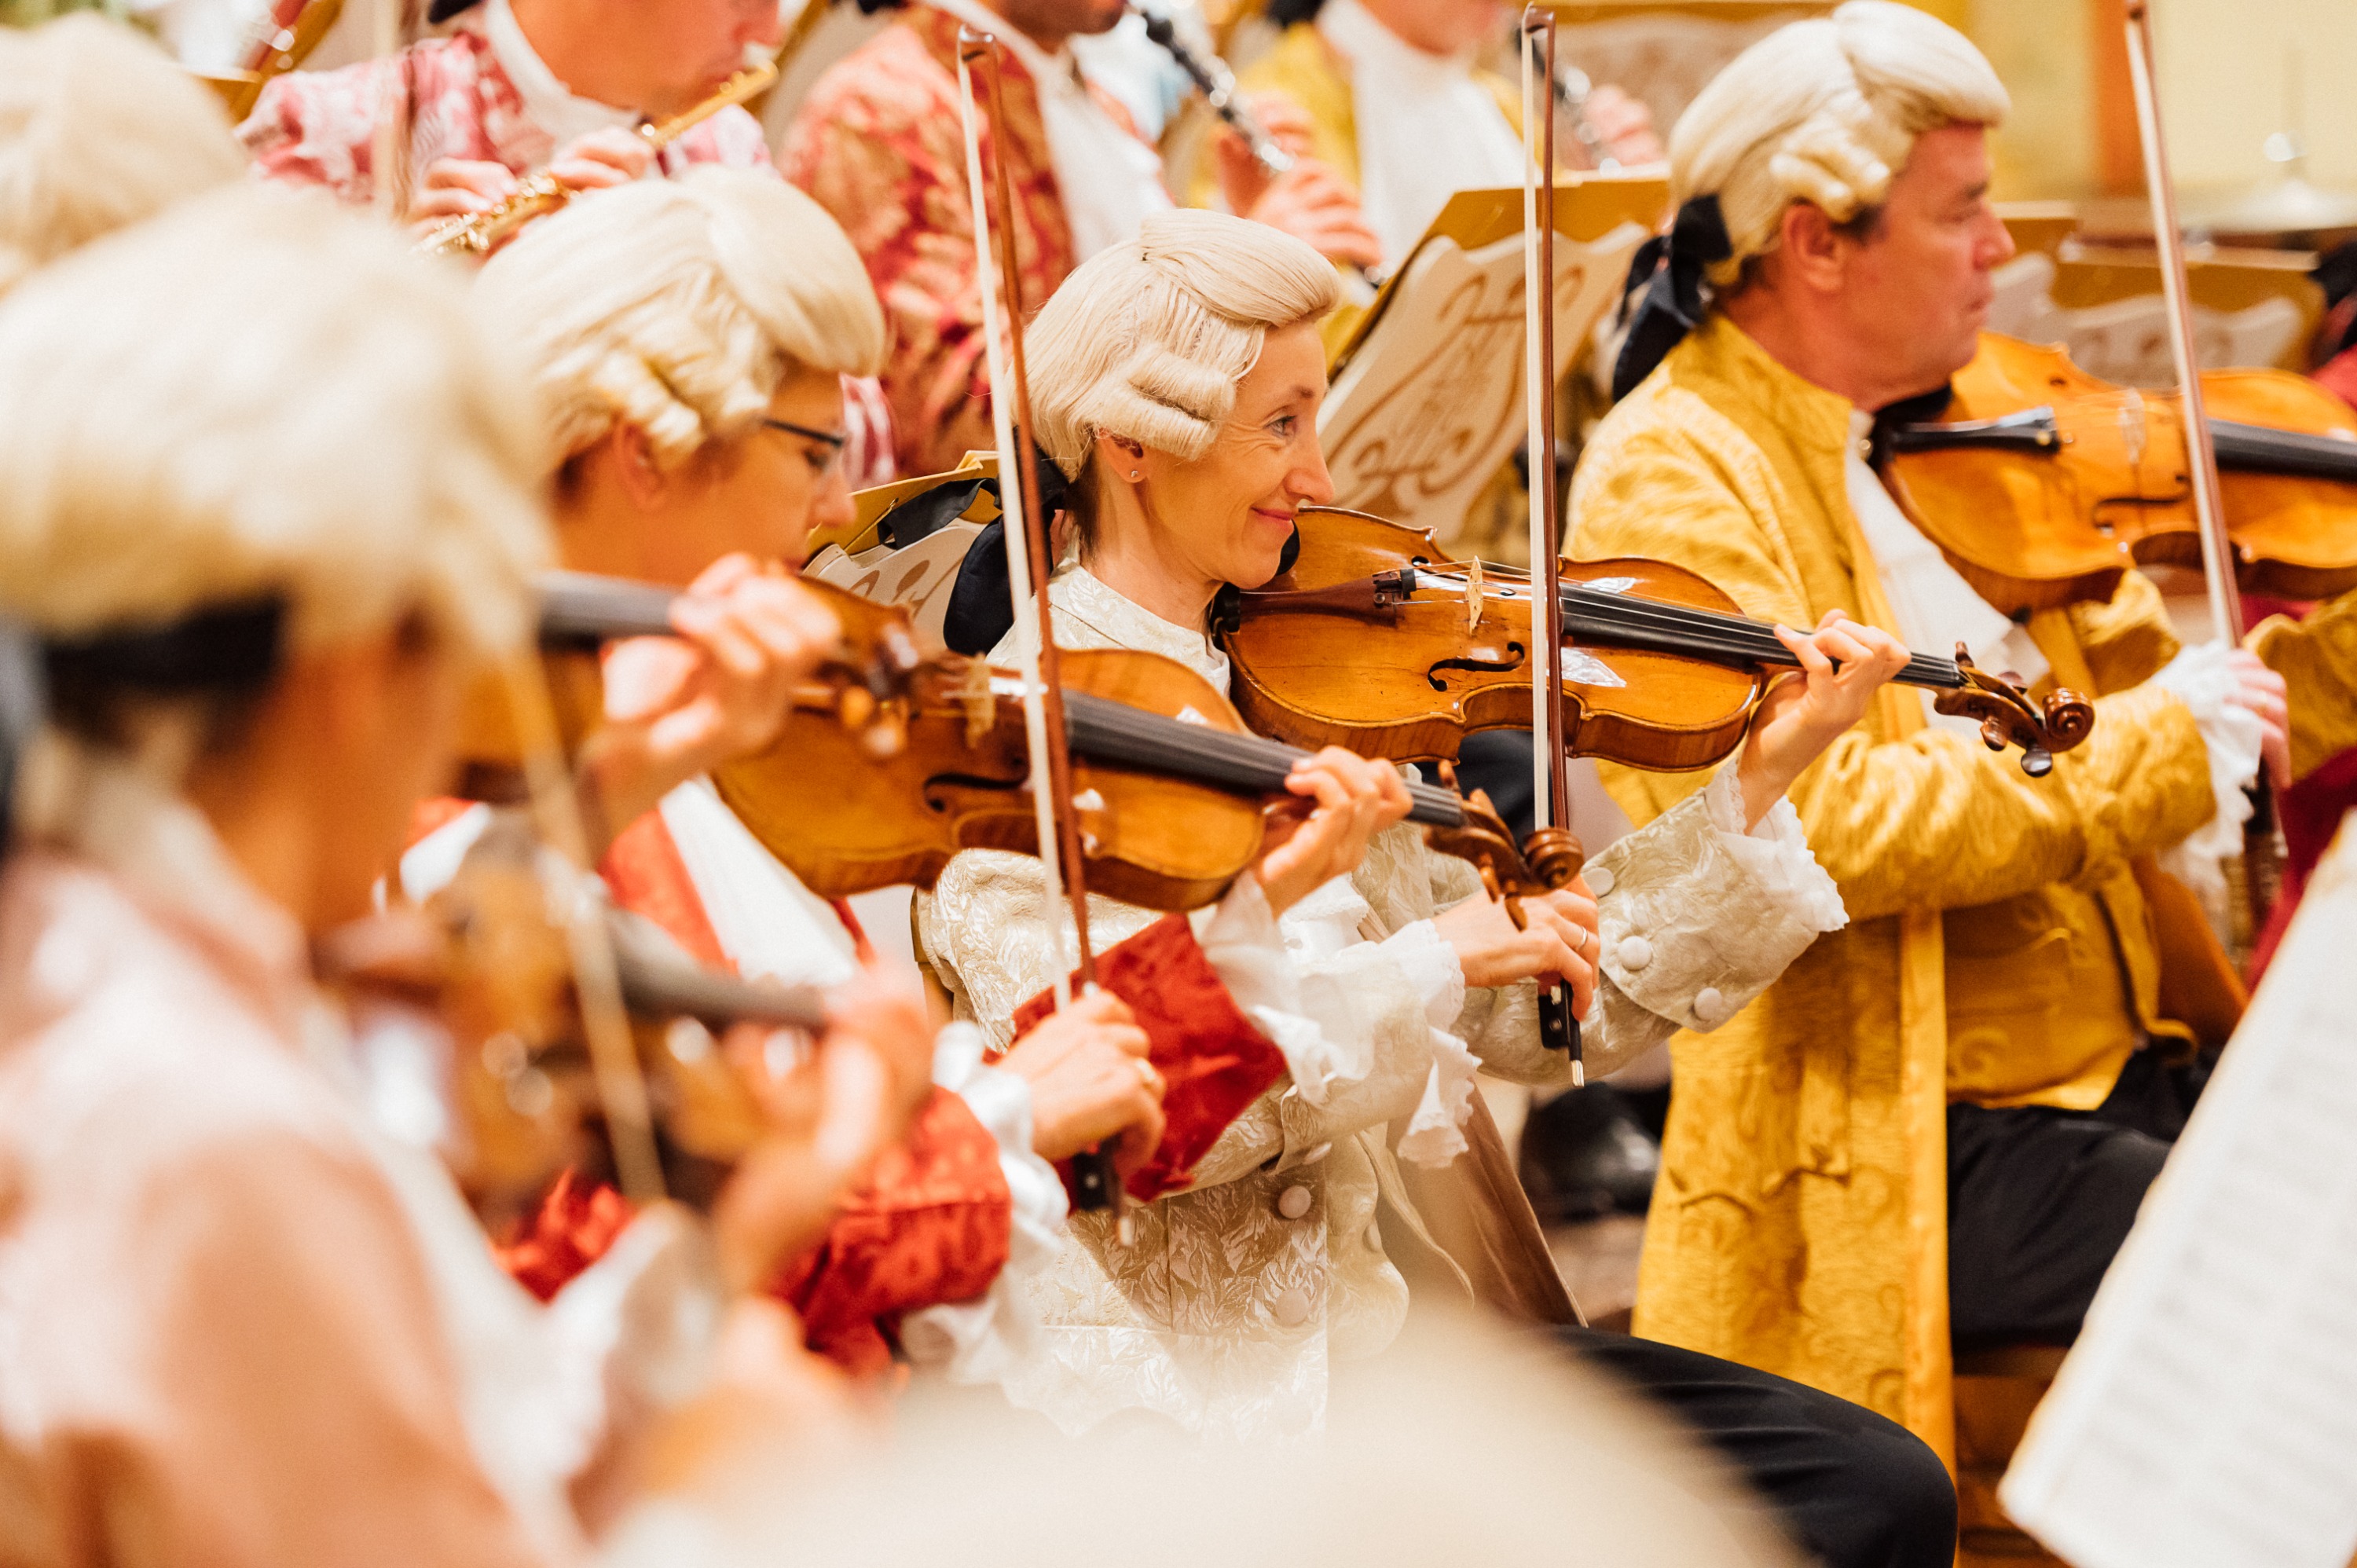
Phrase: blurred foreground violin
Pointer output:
(2042, 483)
(1378, 640)
(486, 963)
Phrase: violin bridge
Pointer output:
(1473, 594)
(981, 707)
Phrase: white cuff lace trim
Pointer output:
(991, 1338)
(1776, 854)
(1435, 1134)
(1431, 966)
(1247, 948)
(2201, 679)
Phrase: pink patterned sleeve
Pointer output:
(319, 127)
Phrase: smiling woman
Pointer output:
(1176, 381)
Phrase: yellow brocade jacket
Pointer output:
(1999, 950)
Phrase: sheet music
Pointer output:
(2208, 1416)
(1432, 403)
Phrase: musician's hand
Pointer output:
(454, 187)
(830, 1111)
(1242, 181)
(604, 157)
(1803, 713)
(1342, 801)
(2262, 691)
(679, 706)
(1091, 1082)
(1625, 123)
(1310, 201)
(1556, 943)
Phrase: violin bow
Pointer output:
(1030, 558)
(2262, 846)
(1551, 839)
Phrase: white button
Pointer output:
(1635, 952)
(1318, 1154)
(1291, 1308)
(1375, 1237)
(1599, 880)
(1709, 1006)
(1293, 1202)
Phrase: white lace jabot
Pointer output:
(553, 106)
(1112, 620)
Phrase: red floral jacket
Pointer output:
(879, 142)
(319, 127)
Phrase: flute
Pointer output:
(480, 233)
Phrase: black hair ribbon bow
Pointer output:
(1668, 270)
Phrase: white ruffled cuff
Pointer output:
(2200, 678)
(1775, 852)
(1247, 946)
(1435, 1134)
(989, 1339)
(1431, 966)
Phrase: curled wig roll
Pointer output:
(1825, 112)
(1149, 340)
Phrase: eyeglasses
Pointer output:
(833, 440)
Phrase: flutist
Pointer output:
(527, 87)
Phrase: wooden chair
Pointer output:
(1995, 1392)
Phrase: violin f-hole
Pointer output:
(1472, 666)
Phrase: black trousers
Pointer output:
(2040, 1200)
(1852, 1489)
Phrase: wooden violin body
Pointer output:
(845, 819)
(1453, 656)
(2042, 483)
(1379, 641)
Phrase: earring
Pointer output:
(1135, 474)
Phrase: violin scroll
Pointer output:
(2008, 715)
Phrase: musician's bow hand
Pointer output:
(1556, 942)
(1802, 715)
(455, 187)
(601, 159)
(678, 706)
(2262, 692)
(1340, 801)
(829, 1110)
(1091, 1082)
(1625, 123)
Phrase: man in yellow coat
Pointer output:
(1942, 1118)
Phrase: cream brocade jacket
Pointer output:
(1236, 1296)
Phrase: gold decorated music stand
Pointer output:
(1427, 398)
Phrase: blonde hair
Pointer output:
(1825, 112)
(98, 129)
(679, 305)
(1147, 340)
(257, 395)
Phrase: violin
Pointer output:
(887, 764)
(1378, 640)
(485, 965)
(580, 612)
(2042, 483)
(1169, 787)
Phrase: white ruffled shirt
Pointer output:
(1428, 127)
(1109, 181)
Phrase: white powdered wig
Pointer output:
(1149, 340)
(98, 129)
(257, 394)
(679, 305)
(1825, 112)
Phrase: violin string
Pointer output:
(2286, 452)
(1116, 732)
(1688, 630)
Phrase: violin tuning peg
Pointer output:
(855, 706)
(1447, 772)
